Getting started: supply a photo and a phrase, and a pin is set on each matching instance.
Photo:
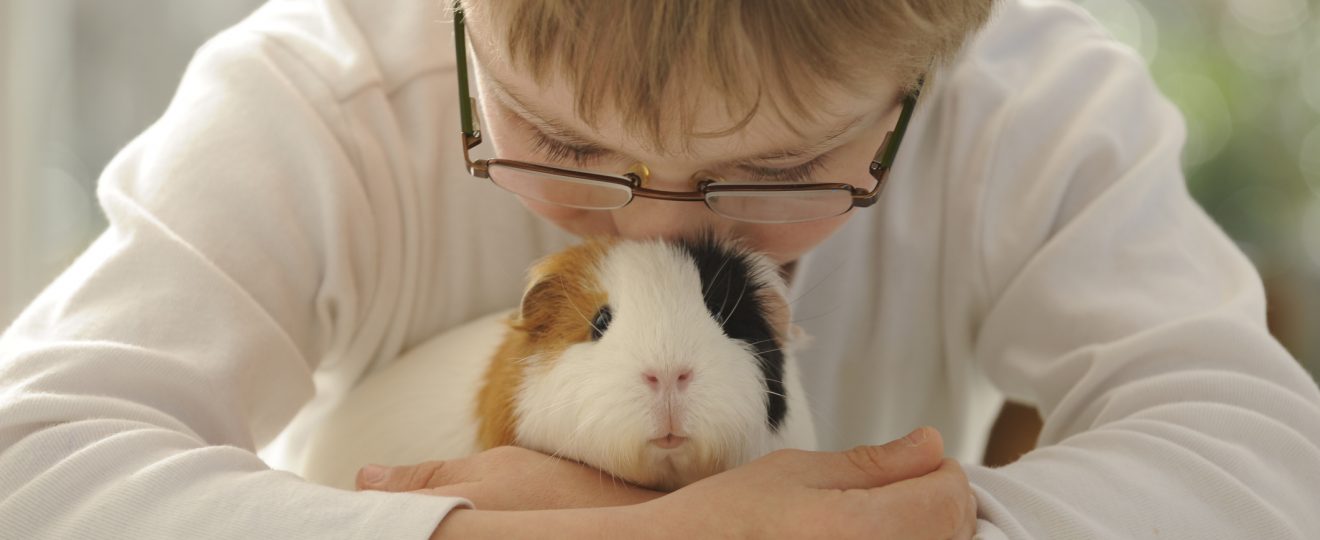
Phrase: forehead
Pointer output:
(714, 129)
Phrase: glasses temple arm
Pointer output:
(464, 96)
(884, 159)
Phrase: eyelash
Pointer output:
(560, 152)
(799, 174)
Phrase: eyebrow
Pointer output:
(571, 137)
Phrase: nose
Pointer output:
(676, 380)
(646, 218)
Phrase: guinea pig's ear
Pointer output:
(774, 306)
(560, 288)
(535, 314)
(797, 337)
(775, 311)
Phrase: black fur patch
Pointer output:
(731, 297)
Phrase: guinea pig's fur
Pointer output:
(618, 344)
(658, 362)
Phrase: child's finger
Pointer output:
(936, 505)
(863, 467)
(409, 477)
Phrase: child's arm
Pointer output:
(903, 489)
(243, 248)
(1120, 309)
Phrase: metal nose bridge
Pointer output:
(641, 174)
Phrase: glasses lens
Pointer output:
(780, 206)
(561, 190)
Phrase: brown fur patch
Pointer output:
(556, 312)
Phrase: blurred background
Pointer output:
(80, 78)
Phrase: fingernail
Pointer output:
(916, 437)
(373, 474)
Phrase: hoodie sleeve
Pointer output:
(240, 255)
(1120, 309)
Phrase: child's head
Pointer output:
(781, 90)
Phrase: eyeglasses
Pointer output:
(759, 202)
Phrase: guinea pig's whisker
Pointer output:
(558, 453)
(737, 302)
(727, 444)
(723, 263)
(759, 341)
(816, 316)
(719, 312)
(818, 283)
(556, 407)
(609, 458)
(589, 322)
(529, 359)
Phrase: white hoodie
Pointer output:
(300, 216)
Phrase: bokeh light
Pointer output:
(1270, 17)
(1310, 232)
(1209, 121)
(1263, 53)
(1129, 22)
(1310, 77)
(1308, 161)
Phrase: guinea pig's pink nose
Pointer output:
(663, 380)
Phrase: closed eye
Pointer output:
(560, 152)
(800, 173)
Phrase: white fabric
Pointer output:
(300, 216)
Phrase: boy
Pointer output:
(301, 215)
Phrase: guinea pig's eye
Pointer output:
(601, 322)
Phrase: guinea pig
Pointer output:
(658, 362)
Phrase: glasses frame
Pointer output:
(879, 168)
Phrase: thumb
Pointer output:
(403, 478)
(917, 454)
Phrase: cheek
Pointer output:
(579, 222)
(788, 242)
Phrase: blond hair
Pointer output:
(624, 56)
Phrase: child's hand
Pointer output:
(904, 489)
(511, 478)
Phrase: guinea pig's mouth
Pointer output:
(669, 441)
(673, 461)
